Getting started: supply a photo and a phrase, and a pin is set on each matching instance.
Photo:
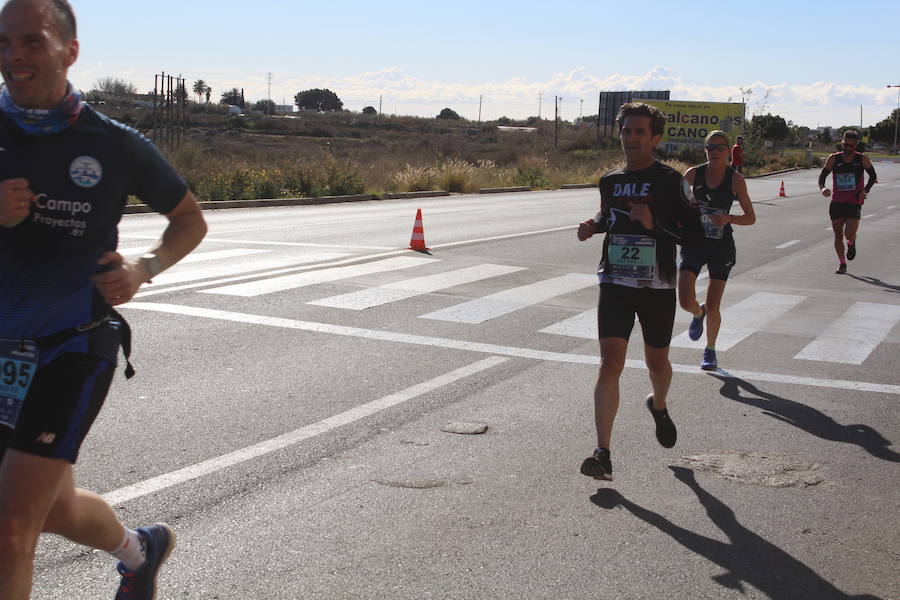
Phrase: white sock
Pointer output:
(131, 552)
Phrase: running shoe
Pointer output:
(598, 465)
(842, 268)
(696, 328)
(159, 541)
(666, 434)
(709, 360)
(851, 251)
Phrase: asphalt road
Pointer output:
(295, 380)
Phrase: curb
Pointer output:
(219, 204)
(778, 172)
(577, 186)
(523, 188)
(421, 194)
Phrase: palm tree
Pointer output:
(200, 89)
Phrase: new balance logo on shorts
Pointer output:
(46, 438)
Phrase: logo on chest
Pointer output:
(85, 171)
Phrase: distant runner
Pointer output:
(644, 214)
(715, 187)
(849, 194)
(737, 154)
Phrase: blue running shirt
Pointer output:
(82, 177)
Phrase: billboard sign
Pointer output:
(688, 123)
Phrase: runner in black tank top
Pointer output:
(715, 186)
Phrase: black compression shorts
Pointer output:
(62, 403)
(844, 210)
(619, 304)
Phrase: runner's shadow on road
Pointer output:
(746, 557)
(807, 418)
(877, 282)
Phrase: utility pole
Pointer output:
(896, 115)
(556, 118)
(269, 94)
(380, 98)
(540, 97)
(581, 109)
(480, 98)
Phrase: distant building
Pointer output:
(284, 109)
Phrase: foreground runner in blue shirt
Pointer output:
(66, 172)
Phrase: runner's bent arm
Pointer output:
(873, 178)
(829, 165)
(185, 231)
(739, 187)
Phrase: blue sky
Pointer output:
(801, 59)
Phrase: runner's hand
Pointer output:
(642, 214)
(15, 199)
(586, 229)
(826, 192)
(720, 220)
(120, 281)
(863, 194)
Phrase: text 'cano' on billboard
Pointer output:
(688, 123)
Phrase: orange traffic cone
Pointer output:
(417, 241)
(781, 193)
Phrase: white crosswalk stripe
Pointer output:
(198, 272)
(743, 319)
(297, 280)
(851, 338)
(409, 288)
(508, 301)
(582, 325)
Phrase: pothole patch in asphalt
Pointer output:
(412, 484)
(770, 470)
(465, 428)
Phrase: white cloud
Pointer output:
(518, 97)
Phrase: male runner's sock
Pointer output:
(131, 552)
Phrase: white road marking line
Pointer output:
(267, 243)
(743, 319)
(493, 349)
(218, 255)
(868, 216)
(513, 299)
(409, 288)
(582, 325)
(155, 484)
(297, 280)
(177, 275)
(787, 244)
(851, 338)
(892, 206)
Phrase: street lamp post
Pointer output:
(897, 115)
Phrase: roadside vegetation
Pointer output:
(328, 151)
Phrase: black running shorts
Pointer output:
(718, 256)
(619, 304)
(62, 403)
(844, 210)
